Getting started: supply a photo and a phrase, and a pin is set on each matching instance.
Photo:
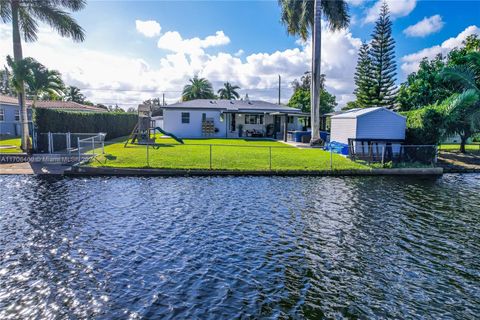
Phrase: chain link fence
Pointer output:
(264, 158)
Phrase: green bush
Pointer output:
(114, 124)
(424, 126)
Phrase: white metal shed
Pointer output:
(374, 124)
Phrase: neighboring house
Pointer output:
(363, 128)
(230, 119)
(10, 112)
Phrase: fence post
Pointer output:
(210, 157)
(270, 158)
(93, 145)
(148, 156)
(69, 143)
(383, 154)
(78, 148)
(331, 160)
(49, 138)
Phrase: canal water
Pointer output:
(248, 247)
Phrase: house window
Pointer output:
(17, 115)
(204, 117)
(254, 119)
(185, 117)
(2, 114)
(290, 119)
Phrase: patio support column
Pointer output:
(285, 127)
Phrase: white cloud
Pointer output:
(148, 28)
(425, 27)
(116, 78)
(239, 53)
(398, 8)
(173, 41)
(412, 61)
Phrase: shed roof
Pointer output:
(233, 106)
(356, 113)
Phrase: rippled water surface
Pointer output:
(223, 248)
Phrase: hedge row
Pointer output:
(114, 124)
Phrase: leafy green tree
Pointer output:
(463, 109)
(382, 54)
(25, 16)
(6, 82)
(425, 126)
(363, 78)
(74, 94)
(301, 96)
(424, 87)
(350, 105)
(304, 16)
(198, 88)
(228, 92)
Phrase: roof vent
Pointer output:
(211, 101)
(231, 102)
(249, 102)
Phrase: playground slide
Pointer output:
(169, 134)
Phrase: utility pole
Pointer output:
(163, 99)
(279, 84)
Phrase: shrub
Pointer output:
(114, 124)
(424, 126)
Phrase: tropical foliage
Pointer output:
(301, 95)
(25, 16)
(228, 92)
(74, 94)
(425, 86)
(449, 88)
(198, 88)
(302, 17)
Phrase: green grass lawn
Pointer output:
(7, 141)
(456, 147)
(227, 154)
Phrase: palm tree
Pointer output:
(73, 94)
(463, 109)
(302, 17)
(228, 92)
(199, 88)
(24, 16)
(43, 81)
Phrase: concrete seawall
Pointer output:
(93, 171)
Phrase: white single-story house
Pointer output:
(204, 118)
(362, 128)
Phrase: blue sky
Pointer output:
(238, 41)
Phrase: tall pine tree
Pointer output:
(382, 55)
(363, 78)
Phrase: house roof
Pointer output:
(233, 106)
(356, 113)
(55, 105)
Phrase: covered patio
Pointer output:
(275, 125)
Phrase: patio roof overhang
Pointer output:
(296, 114)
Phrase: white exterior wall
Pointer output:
(382, 124)
(342, 129)
(172, 120)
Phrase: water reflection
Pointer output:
(239, 247)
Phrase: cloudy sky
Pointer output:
(136, 50)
